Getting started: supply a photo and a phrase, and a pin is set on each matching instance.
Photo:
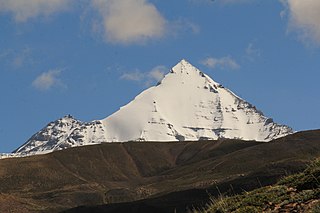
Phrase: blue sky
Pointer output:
(90, 57)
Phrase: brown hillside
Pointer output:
(123, 172)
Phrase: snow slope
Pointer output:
(189, 105)
(186, 105)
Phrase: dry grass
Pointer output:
(295, 193)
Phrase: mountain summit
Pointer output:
(186, 105)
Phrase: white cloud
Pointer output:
(252, 52)
(132, 76)
(154, 75)
(22, 10)
(130, 21)
(304, 17)
(223, 63)
(157, 73)
(47, 80)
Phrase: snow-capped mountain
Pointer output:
(186, 105)
(64, 133)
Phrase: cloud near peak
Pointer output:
(130, 21)
(223, 63)
(156, 74)
(47, 80)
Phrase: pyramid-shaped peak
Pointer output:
(184, 61)
(184, 67)
(185, 71)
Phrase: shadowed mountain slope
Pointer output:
(159, 172)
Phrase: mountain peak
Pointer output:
(185, 73)
(187, 106)
(67, 118)
(184, 67)
(184, 61)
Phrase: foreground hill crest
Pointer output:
(186, 105)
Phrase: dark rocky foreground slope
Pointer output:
(295, 193)
(160, 177)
